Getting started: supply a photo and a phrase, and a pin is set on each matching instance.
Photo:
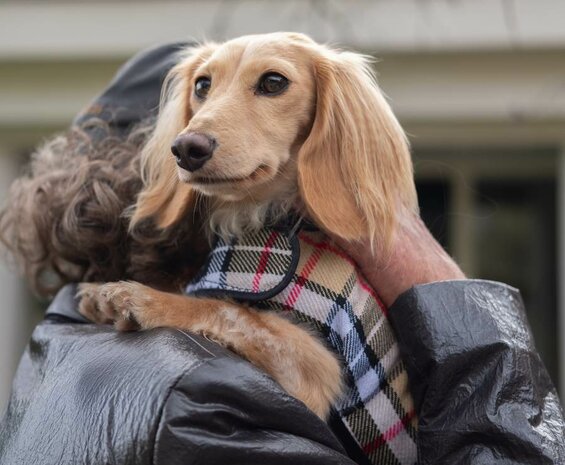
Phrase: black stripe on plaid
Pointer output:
(224, 290)
(360, 420)
(394, 373)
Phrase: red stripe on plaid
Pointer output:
(297, 288)
(263, 260)
(340, 253)
(390, 434)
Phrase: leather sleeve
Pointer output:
(480, 388)
(87, 394)
(220, 412)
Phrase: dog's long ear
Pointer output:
(355, 171)
(163, 197)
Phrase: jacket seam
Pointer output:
(162, 409)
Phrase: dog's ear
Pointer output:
(355, 171)
(164, 198)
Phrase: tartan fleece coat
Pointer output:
(302, 273)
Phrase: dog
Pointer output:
(250, 132)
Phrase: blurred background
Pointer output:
(479, 85)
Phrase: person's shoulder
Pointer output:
(164, 390)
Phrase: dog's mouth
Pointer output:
(260, 172)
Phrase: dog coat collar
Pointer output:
(303, 273)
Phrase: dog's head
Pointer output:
(264, 116)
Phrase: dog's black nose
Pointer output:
(193, 150)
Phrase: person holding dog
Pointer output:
(82, 394)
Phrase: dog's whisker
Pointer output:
(198, 207)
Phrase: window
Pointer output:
(495, 212)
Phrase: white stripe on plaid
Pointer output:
(325, 289)
(270, 249)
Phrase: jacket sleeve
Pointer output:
(224, 411)
(480, 388)
(88, 394)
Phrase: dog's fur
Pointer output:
(328, 148)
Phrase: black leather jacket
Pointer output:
(86, 394)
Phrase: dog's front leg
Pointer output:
(296, 359)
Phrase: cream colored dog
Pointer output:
(262, 126)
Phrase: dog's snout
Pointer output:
(193, 150)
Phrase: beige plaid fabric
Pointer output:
(308, 276)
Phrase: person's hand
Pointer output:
(415, 258)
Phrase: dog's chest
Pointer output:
(306, 275)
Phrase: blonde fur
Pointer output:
(296, 359)
(328, 147)
(355, 171)
(346, 164)
(164, 198)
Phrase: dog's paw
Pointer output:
(117, 303)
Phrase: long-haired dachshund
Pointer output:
(251, 131)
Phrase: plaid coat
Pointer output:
(305, 274)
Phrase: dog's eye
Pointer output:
(272, 84)
(202, 86)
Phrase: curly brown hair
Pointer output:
(66, 219)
